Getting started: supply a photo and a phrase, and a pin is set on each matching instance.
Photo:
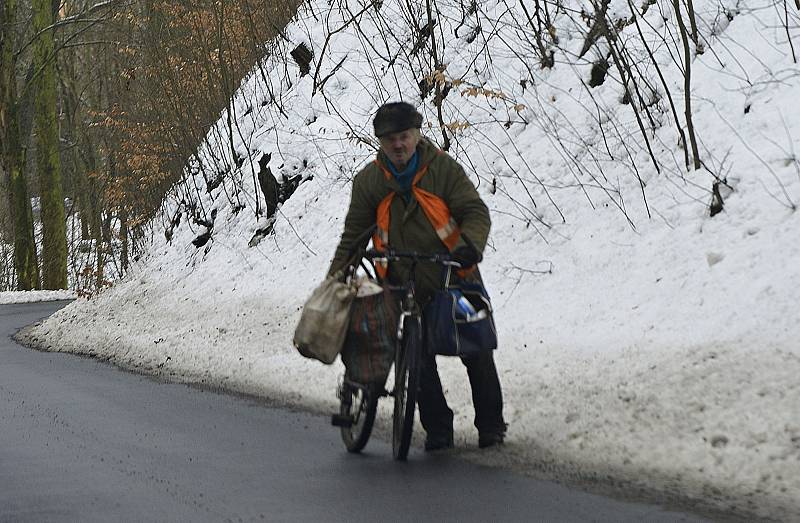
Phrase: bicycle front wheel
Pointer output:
(358, 406)
(406, 384)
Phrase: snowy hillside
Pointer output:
(642, 339)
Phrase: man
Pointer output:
(383, 193)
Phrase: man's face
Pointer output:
(400, 147)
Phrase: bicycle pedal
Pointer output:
(340, 420)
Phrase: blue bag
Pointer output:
(459, 321)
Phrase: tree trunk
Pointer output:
(25, 259)
(12, 156)
(124, 239)
(687, 84)
(54, 238)
(100, 258)
(104, 248)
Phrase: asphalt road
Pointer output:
(83, 441)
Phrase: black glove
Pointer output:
(466, 255)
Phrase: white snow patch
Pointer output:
(7, 297)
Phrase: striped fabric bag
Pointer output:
(368, 351)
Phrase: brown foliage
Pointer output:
(170, 69)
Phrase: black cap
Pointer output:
(396, 117)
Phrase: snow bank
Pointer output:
(7, 297)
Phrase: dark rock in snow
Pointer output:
(302, 56)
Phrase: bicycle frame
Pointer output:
(408, 356)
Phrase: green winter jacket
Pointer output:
(409, 228)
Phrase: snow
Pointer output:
(643, 342)
(7, 297)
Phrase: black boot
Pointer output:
(492, 438)
(438, 442)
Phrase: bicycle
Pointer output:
(359, 401)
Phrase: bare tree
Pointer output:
(54, 239)
(687, 84)
(13, 155)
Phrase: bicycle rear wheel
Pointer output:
(357, 410)
(406, 385)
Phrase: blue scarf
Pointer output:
(405, 177)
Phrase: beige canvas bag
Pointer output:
(323, 323)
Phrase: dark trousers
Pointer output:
(487, 398)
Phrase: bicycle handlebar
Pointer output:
(394, 255)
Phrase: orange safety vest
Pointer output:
(435, 210)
